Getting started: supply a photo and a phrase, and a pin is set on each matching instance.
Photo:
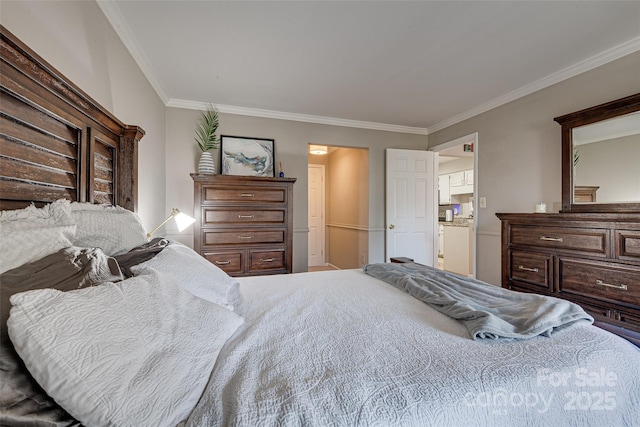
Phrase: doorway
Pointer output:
(457, 219)
(346, 207)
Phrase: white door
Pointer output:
(412, 205)
(316, 215)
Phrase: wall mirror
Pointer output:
(601, 157)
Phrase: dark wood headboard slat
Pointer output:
(38, 121)
(55, 140)
(37, 98)
(20, 194)
(31, 172)
(50, 86)
(17, 133)
(27, 153)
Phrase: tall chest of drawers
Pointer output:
(590, 259)
(244, 225)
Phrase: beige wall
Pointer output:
(519, 148)
(348, 207)
(291, 147)
(77, 39)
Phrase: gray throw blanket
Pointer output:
(140, 254)
(486, 310)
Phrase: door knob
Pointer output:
(391, 226)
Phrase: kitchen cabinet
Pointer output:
(461, 182)
(456, 179)
(444, 192)
(468, 178)
(457, 249)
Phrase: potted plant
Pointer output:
(207, 140)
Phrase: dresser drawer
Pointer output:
(212, 216)
(597, 311)
(612, 314)
(266, 260)
(242, 237)
(532, 268)
(593, 241)
(599, 280)
(629, 318)
(628, 245)
(243, 194)
(230, 262)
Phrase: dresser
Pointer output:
(584, 194)
(592, 259)
(244, 225)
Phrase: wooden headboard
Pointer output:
(55, 141)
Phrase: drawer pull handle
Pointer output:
(223, 262)
(267, 259)
(523, 268)
(551, 239)
(245, 237)
(609, 285)
(245, 216)
(246, 194)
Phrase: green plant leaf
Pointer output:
(206, 129)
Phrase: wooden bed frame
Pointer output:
(57, 142)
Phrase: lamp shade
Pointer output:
(317, 149)
(183, 220)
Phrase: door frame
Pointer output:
(468, 139)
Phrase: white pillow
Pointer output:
(187, 269)
(29, 234)
(134, 353)
(113, 229)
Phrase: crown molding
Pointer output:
(271, 114)
(595, 61)
(117, 21)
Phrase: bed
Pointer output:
(102, 327)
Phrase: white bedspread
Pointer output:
(341, 348)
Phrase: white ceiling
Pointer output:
(407, 66)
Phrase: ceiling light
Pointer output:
(318, 149)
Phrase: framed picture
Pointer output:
(246, 156)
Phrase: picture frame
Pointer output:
(245, 156)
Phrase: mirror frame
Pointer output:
(609, 110)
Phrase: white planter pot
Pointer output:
(206, 164)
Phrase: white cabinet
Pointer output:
(456, 179)
(462, 182)
(457, 249)
(468, 178)
(444, 193)
(451, 184)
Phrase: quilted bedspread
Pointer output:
(341, 348)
